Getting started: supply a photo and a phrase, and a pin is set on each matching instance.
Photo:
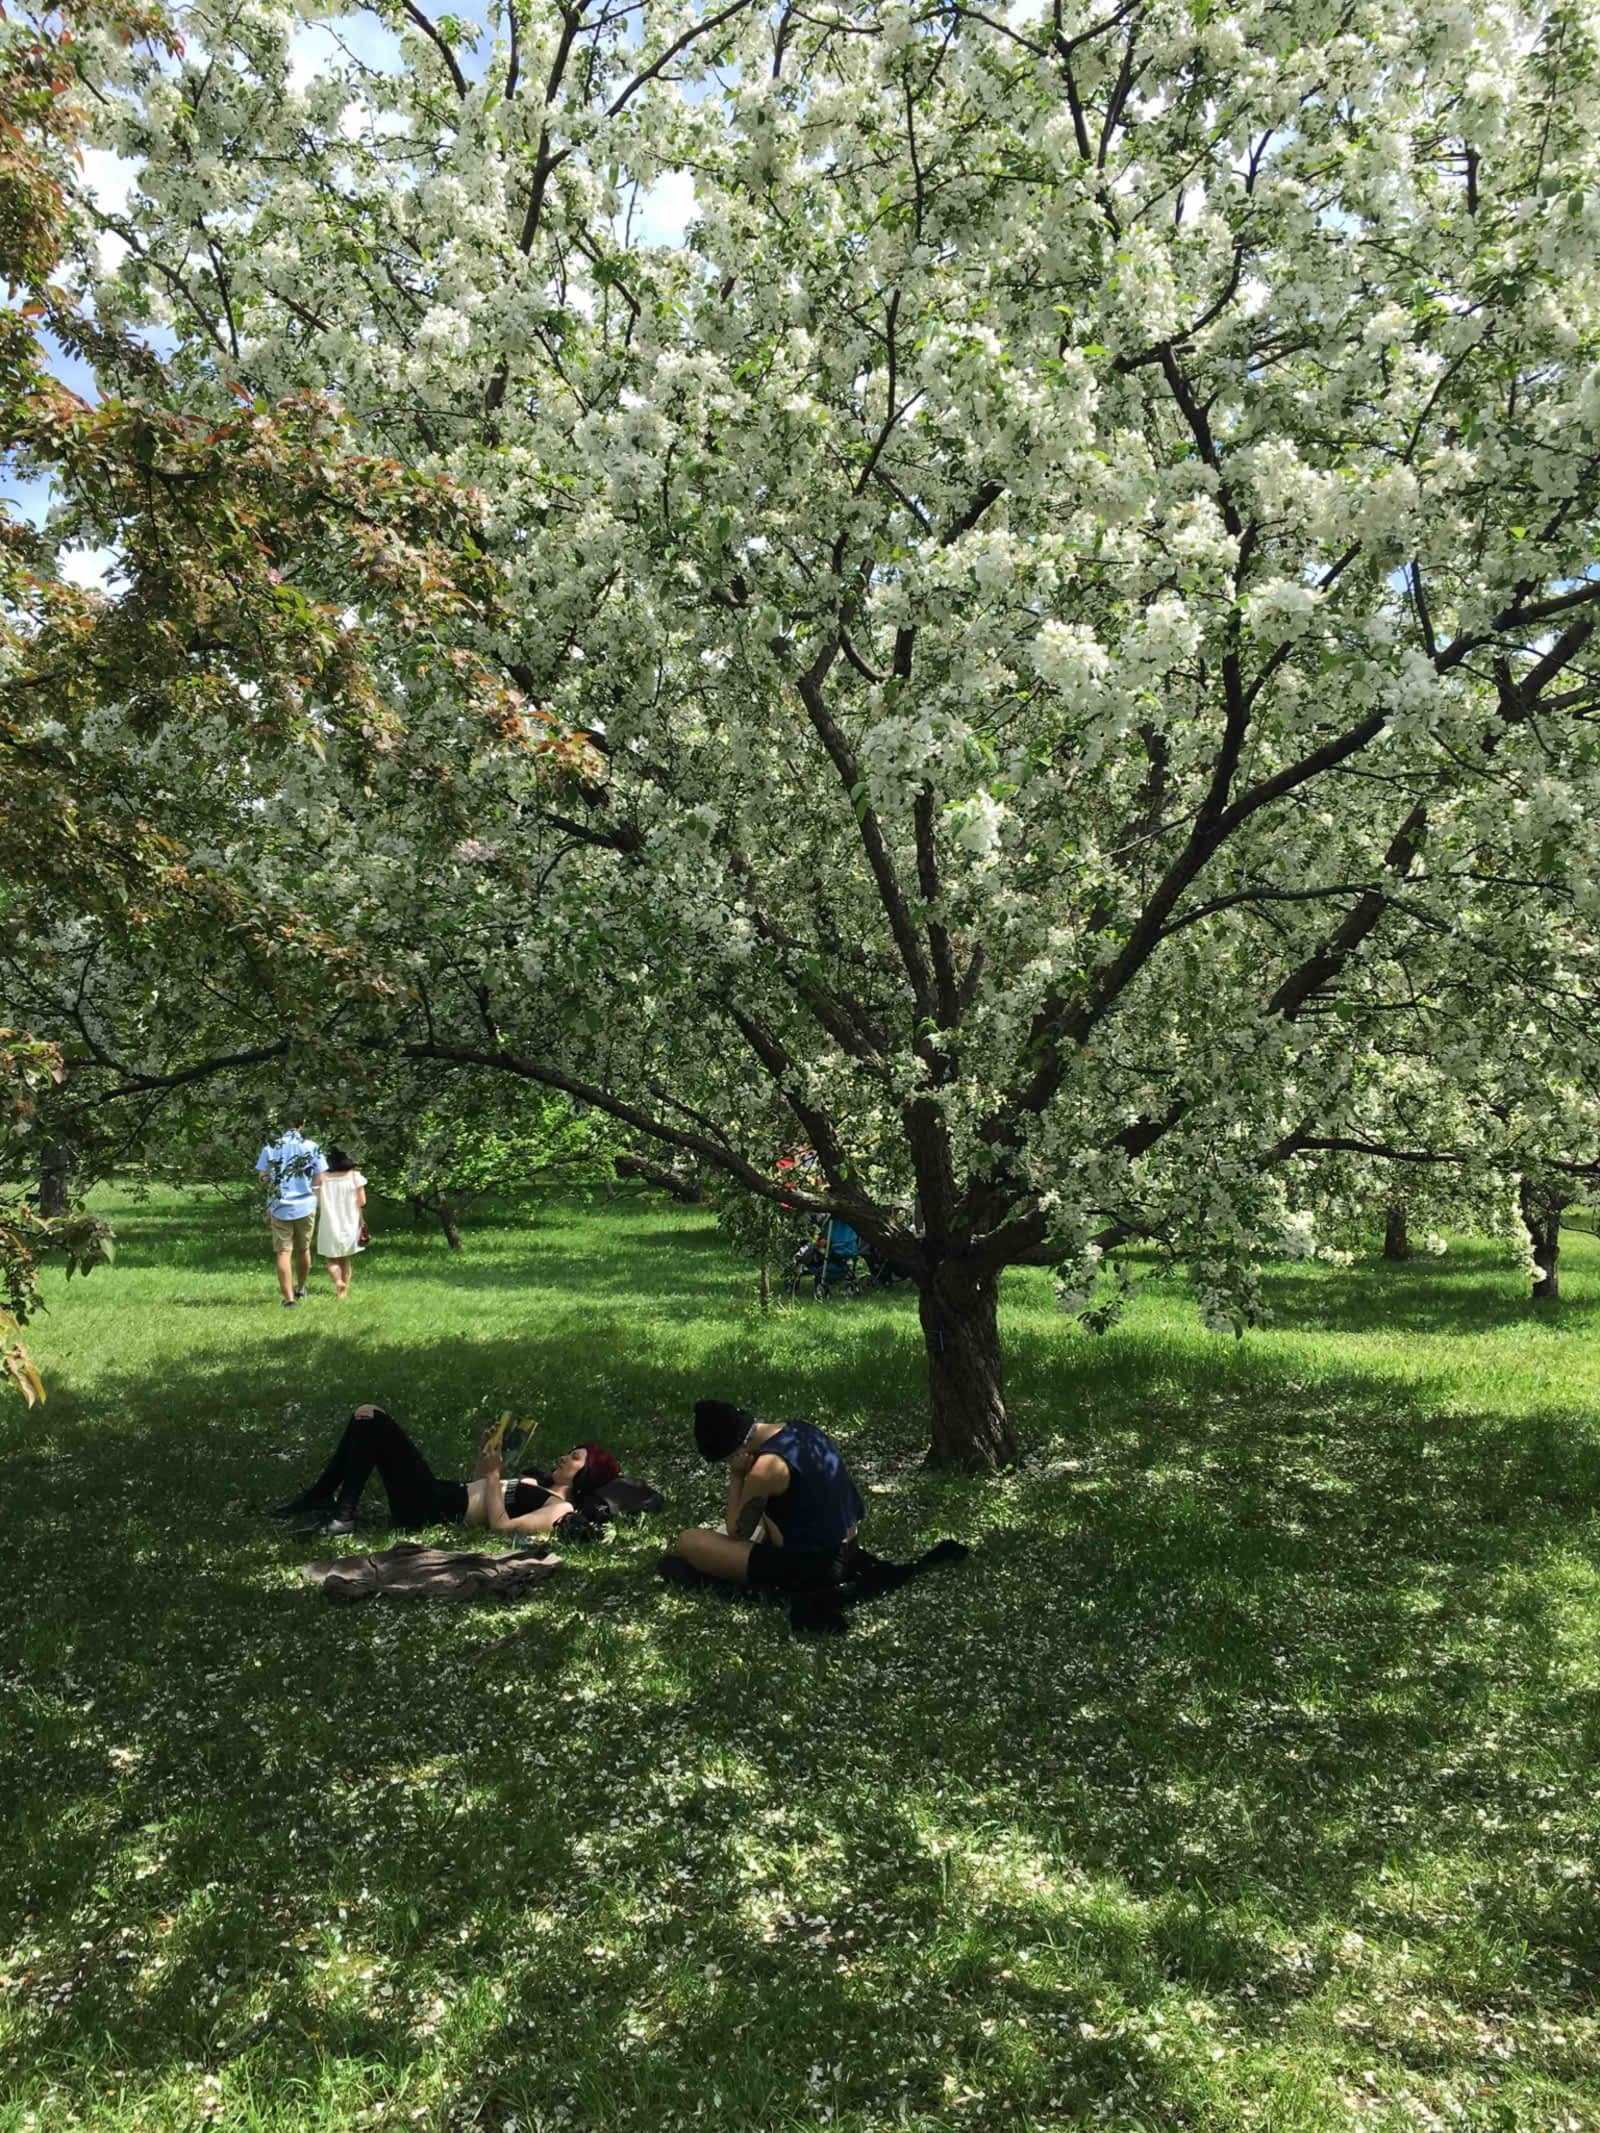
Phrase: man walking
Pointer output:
(291, 1169)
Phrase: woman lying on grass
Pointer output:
(418, 1497)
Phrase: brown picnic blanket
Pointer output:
(408, 1571)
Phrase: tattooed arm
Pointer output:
(750, 1496)
(747, 1523)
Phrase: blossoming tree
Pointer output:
(137, 721)
(1069, 588)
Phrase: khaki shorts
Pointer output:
(296, 1231)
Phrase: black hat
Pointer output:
(720, 1427)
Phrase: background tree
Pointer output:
(440, 1148)
(1504, 1153)
(273, 588)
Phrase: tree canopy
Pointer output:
(1049, 625)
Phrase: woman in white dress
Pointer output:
(341, 1195)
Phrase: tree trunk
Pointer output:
(966, 1379)
(1541, 1218)
(55, 1181)
(435, 1204)
(1396, 1244)
(764, 1286)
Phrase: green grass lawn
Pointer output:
(1244, 1777)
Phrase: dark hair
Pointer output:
(338, 1160)
(600, 1468)
(720, 1427)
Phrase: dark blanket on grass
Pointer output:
(625, 1497)
(409, 1571)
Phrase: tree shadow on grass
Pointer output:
(1245, 1663)
(1423, 1296)
(1220, 1686)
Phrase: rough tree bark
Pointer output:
(966, 1378)
(1541, 1206)
(1396, 1243)
(55, 1181)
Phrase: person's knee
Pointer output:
(703, 1548)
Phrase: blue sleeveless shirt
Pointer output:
(821, 1503)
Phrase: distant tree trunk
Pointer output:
(437, 1205)
(966, 1378)
(55, 1180)
(1541, 1206)
(1396, 1244)
(764, 1286)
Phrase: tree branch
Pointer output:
(890, 894)
(720, 1157)
(431, 31)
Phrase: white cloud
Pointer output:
(663, 211)
(91, 567)
(110, 179)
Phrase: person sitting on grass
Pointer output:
(419, 1497)
(791, 1520)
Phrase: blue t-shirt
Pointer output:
(290, 1165)
(821, 1503)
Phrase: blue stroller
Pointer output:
(828, 1264)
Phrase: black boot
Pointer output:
(867, 1576)
(311, 1502)
(817, 1614)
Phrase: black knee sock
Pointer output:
(798, 1570)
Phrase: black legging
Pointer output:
(417, 1497)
